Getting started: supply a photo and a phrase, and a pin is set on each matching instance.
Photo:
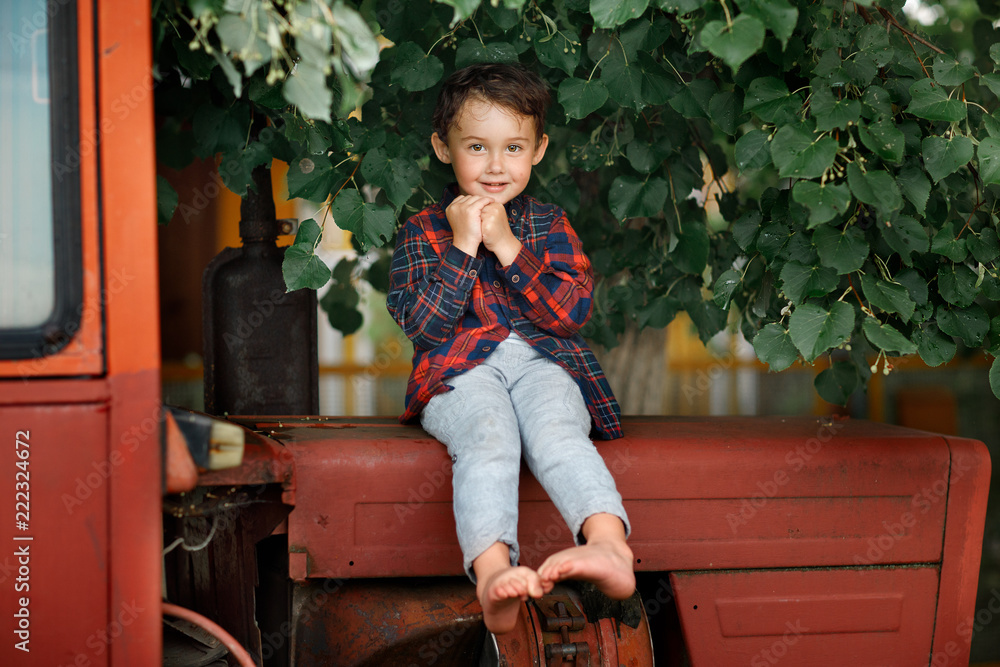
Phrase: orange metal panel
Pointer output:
(719, 493)
(963, 544)
(83, 355)
(124, 57)
(808, 618)
(55, 556)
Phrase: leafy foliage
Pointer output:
(864, 224)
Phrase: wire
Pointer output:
(197, 547)
(213, 628)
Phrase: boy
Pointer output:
(492, 287)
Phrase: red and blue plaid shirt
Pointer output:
(457, 309)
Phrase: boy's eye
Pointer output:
(476, 147)
(513, 148)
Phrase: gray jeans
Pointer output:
(516, 403)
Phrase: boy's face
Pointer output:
(491, 149)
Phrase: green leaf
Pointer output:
(612, 13)
(915, 186)
(934, 347)
(358, 46)
(800, 281)
(166, 200)
(725, 285)
(768, 98)
(836, 383)
(957, 284)
(886, 337)
(398, 176)
(745, 229)
(946, 243)
(557, 50)
(906, 236)
(415, 70)
(929, 101)
(631, 198)
(984, 245)
(463, 10)
(970, 324)
(306, 89)
(752, 150)
(832, 113)
(950, 72)
(799, 154)
(372, 225)
(733, 43)
(694, 99)
(581, 98)
(875, 187)
(311, 178)
(814, 330)
(988, 152)
(624, 84)
(884, 139)
(301, 267)
(773, 345)
(943, 157)
(472, 51)
(825, 201)
(876, 102)
(992, 82)
(724, 110)
(995, 377)
(691, 253)
(779, 16)
(845, 250)
(887, 296)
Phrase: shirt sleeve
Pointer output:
(428, 293)
(554, 291)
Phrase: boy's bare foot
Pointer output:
(502, 588)
(605, 560)
(502, 595)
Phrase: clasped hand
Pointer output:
(474, 220)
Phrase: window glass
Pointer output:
(27, 256)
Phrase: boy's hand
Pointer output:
(464, 216)
(497, 235)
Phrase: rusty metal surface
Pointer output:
(373, 498)
(265, 461)
(377, 623)
(555, 631)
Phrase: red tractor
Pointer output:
(139, 535)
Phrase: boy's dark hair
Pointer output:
(510, 87)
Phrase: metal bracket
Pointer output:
(563, 617)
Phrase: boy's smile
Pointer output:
(491, 150)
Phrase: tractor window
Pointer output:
(40, 274)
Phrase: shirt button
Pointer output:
(486, 348)
(473, 273)
(496, 283)
(515, 279)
